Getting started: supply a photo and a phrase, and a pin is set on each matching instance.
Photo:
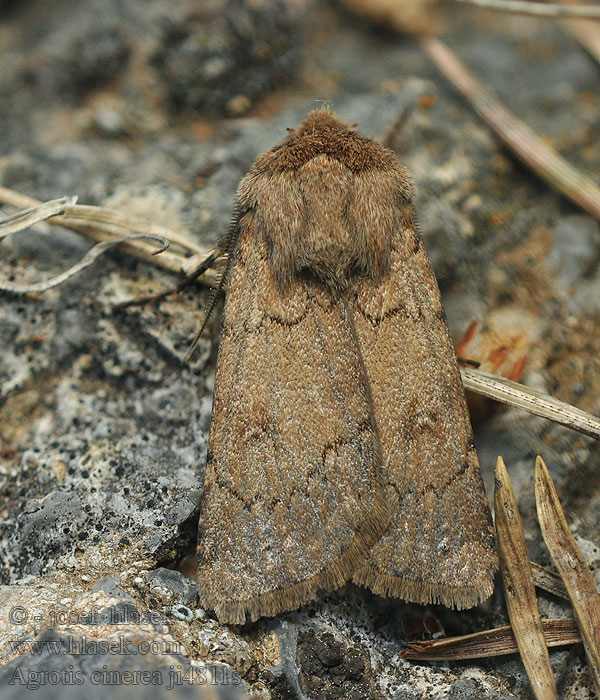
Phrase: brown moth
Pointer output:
(340, 445)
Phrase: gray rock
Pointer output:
(473, 690)
(110, 585)
(183, 590)
(64, 667)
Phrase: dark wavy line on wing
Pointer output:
(317, 468)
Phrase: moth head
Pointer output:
(317, 121)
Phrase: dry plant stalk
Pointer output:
(499, 641)
(108, 226)
(102, 224)
(406, 17)
(571, 564)
(88, 259)
(537, 9)
(531, 400)
(28, 217)
(519, 589)
(586, 33)
(524, 142)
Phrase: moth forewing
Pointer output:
(440, 545)
(294, 490)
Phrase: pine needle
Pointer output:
(571, 565)
(519, 588)
(548, 581)
(531, 400)
(537, 9)
(586, 33)
(499, 641)
(524, 142)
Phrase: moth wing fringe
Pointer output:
(337, 574)
(458, 597)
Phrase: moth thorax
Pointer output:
(327, 223)
(335, 256)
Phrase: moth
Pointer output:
(340, 446)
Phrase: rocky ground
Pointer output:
(158, 109)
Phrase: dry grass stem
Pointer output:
(519, 588)
(537, 9)
(109, 227)
(571, 565)
(531, 400)
(28, 217)
(586, 33)
(102, 224)
(117, 220)
(529, 147)
(88, 259)
(495, 642)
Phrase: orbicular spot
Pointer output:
(287, 320)
(424, 419)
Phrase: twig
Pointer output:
(571, 565)
(531, 400)
(537, 9)
(519, 589)
(546, 162)
(86, 261)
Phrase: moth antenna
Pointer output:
(224, 247)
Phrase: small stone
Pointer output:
(181, 612)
